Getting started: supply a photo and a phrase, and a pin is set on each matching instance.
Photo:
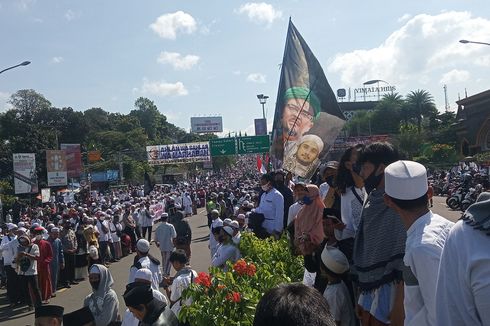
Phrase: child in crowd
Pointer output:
(335, 265)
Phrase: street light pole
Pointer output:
(263, 99)
(474, 42)
(25, 63)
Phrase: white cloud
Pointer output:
(24, 4)
(177, 60)
(162, 88)
(260, 12)
(69, 15)
(167, 26)
(419, 52)
(455, 76)
(404, 18)
(256, 78)
(57, 60)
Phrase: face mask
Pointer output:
(373, 180)
(356, 168)
(95, 285)
(329, 180)
(265, 187)
(38, 237)
(307, 200)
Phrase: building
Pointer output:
(473, 126)
(350, 109)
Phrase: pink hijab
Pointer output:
(308, 226)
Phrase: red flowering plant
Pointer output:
(229, 298)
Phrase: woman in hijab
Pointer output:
(102, 302)
(308, 226)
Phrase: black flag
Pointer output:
(307, 118)
(148, 186)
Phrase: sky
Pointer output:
(208, 58)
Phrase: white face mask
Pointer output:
(39, 237)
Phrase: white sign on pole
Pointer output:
(206, 124)
(45, 195)
(56, 168)
(25, 177)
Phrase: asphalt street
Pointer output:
(72, 299)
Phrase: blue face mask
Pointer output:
(307, 200)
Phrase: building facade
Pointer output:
(473, 126)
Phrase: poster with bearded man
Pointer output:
(307, 117)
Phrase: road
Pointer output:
(72, 299)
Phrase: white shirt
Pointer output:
(423, 249)
(226, 252)
(178, 286)
(34, 250)
(293, 211)
(156, 273)
(213, 244)
(144, 220)
(323, 189)
(103, 236)
(8, 249)
(164, 235)
(350, 211)
(272, 206)
(463, 286)
(340, 304)
(114, 228)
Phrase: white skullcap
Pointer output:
(406, 180)
(234, 224)
(228, 230)
(22, 224)
(55, 229)
(313, 138)
(93, 252)
(164, 214)
(144, 274)
(22, 229)
(215, 211)
(94, 269)
(227, 221)
(143, 245)
(11, 226)
(245, 203)
(240, 217)
(335, 260)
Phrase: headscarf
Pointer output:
(308, 226)
(95, 301)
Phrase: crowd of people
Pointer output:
(374, 253)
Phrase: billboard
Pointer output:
(25, 176)
(260, 127)
(206, 124)
(73, 159)
(56, 168)
(178, 153)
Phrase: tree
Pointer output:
(421, 105)
(28, 101)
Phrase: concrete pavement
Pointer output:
(72, 299)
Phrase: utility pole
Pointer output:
(121, 171)
(445, 98)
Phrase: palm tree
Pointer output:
(421, 104)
